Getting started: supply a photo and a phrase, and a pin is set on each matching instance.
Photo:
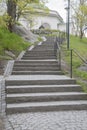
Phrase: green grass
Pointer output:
(84, 85)
(79, 44)
(40, 39)
(81, 47)
(11, 42)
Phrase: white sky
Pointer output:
(59, 6)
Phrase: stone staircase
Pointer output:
(37, 84)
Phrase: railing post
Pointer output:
(59, 59)
(71, 58)
(57, 51)
(55, 46)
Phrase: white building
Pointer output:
(47, 20)
(41, 19)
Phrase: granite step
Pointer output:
(37, 84)
(38, 58)
(43, 50)
(37, 53)
(37, 68)
(40, 82)
(42, 53)
(37, 73)
(44, 97)
(43, 88)
(43, 47)
(46, 106)
(36, 65)
(36, 62)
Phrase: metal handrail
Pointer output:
(77, 53)
(58, 53)
(71, 57)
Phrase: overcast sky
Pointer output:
(59, 6)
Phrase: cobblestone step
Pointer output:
(37, 73)
(44, 97)
(43, 88)
(46, 106)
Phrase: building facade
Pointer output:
(41, 19)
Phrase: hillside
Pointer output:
(11, 45)
(79, 67)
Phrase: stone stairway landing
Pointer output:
(38, 84)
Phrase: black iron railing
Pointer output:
(74, 51)
(58, 52)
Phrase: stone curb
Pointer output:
(9, 68)
(20, 55)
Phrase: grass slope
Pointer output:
(79, 44)
(81, 47)
(11, 42)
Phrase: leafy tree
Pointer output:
(11, 11)
(80, 16)
(16, 8)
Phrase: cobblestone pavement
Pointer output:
(66, 120)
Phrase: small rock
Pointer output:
(9, 53)
(83, 68)
(24, 33)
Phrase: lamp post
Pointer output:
(68, 24)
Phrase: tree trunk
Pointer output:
(81, 33)
(11, 10)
